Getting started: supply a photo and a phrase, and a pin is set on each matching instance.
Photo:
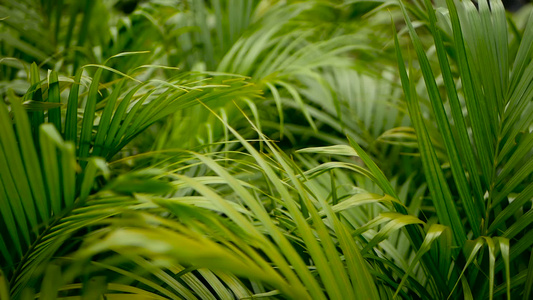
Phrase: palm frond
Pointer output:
(484, 88)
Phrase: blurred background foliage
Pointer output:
(222, 149)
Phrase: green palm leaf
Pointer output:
(488, 87)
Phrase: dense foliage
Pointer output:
(222, 149)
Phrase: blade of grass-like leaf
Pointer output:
(234, 14)
(318, 170)
(394, 224)
(219, 17)
(234, 284)
(362, 199)
(519, 225)
(31, 160)
(37, 118)
(155, 286)
(517, 104)
(57, 20)
(276, 59)
(71, 119)
(434, 232)
(226, 64)
(214, 283)
(68, 173)
(517, 282)
(121, 54)
(334, 150)
(84, 28)
(529, 281)
(381, 180)
(511, 183)
(73, 14)
(467, 292)
(519, 114)
(502, 52)
(129, 292)
(380, 219)
(510, 210)
(54, 114)
(358, 269)
(31, 105)
(279, 106)
(492, 260)
(471, 247)
(296, 96)
(204, 290)
(144, 114)
(94, 287)
(177, 101)
(14, 177)
(171, 281)
(224, 115)
(253, 46)
(521, 245)
(10, 226)
(117, 119)
(284, 46)
(51, 282)
(4, 287)
(504, 250)
(120, 138)
(93, 165)
(48, 137)
(255, 113)
(523, 55)
(13, 41)
(88, 119)
(12, 212)
(105, 119)
(519, 153)
(201, 19)
(249, 5)
(113, 70)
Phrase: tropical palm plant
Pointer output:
(64, 35)
(53, 155)
(117, 184)
(479, 123)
